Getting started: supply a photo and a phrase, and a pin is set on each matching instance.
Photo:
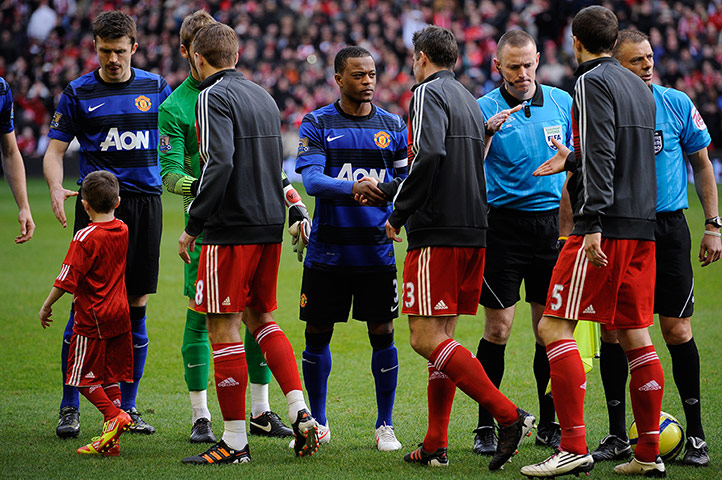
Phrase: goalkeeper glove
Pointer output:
(299, 226)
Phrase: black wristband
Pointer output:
(487, 131)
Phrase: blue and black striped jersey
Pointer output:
(6, 107)
(116, 125)
(345, 234)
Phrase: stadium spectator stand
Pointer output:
(287, 46)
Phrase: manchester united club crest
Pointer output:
(382, 139)
(143, 103)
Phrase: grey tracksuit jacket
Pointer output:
(613, 189)
(443, 200)
(240, 194)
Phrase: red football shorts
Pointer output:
(99, 361)
(620, 295)
(232, 277)
(442, 281)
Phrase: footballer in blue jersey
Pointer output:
(523, 217)
(13, 167)
(679, 130)
(113, 113)
(349, 149)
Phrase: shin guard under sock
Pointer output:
(646, 387)
(491, 357)
(70, 394)
(614, 370)
(569, 384)
(440, 391)
(129, 391)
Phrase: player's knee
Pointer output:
(318, 341)
(382, 341)
(676, 331)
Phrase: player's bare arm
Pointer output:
(46, 311)
(710, 248)
(366, 192)
(53, 170)
(186, 243)
(556, 163)
(593, 250)
(12, 163)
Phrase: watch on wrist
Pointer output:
(714, 221)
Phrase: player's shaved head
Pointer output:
(100, 189)
(192, 23)
(514, 38)
(339, 63)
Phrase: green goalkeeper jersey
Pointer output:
(178, 144)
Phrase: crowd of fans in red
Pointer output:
(288, 46)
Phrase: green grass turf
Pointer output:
(30, 378)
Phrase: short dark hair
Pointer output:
(596, 27)
(628, 35)
(218, 43)
(191, 24)
(339, 63)
(439, 44)
(113, 25)
(514, 38)
(100, 189)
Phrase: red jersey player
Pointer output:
(101, 350)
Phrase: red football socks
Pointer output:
(646, 387)
(569, 384)
(279, 356)
(441, 390)
(97, 396)
(112, 390)
(460, 365)
(231, 376)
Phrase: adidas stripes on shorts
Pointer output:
(620, 295)
(442, 281)
(233, 277)
(99, 361)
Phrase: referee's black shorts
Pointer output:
(519, 246)
(674, 290)
(144, 216)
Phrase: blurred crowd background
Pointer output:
(288, 47)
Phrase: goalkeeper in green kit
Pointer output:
(180, 170)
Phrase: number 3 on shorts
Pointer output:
(556, 295)
(199, 292)
(409, 294)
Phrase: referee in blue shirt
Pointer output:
(523, 218)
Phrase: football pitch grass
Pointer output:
(30, 380)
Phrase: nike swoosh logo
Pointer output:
(140, 346)
(265, 428)
(384, 370)
(90, 109)
(309, 361)
(263, 364)
(331, 139)
(395, 307)
(196, 365)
